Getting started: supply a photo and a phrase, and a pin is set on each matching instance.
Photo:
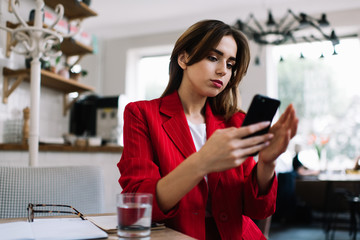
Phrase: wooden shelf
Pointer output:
(71, 47)
(61, 148)
(50, 79)
(73, 9)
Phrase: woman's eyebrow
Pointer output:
(222, 54)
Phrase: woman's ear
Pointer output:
(182, 60)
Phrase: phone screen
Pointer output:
(262, 108)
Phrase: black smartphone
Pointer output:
(262, 108)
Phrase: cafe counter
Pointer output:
(62, 148)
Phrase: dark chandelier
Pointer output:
(289, 29)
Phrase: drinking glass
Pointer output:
(134, 214)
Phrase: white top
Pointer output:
(198, 132)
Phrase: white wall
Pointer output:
(255, 81)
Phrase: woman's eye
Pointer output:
(212, 58)
(230, 66)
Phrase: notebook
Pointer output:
(52, 229)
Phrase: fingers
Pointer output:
(241, 154)
(245, 147)
(288, 111)
(284, 115)
(252, 144)
(288, 120)
(292, 120)
(284, 129)
(256, 140)
(227, 148)
(251, 149)
(253, 128)
(294, 127)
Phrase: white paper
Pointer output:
(51, 229)
(16, 230)
(106, 223)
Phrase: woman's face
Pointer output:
(210, 76)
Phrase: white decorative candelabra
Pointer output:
(37, 42)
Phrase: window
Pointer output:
(325, 90)
(153, 71)
(147, 72)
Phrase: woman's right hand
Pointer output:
(227, 148)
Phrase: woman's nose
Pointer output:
(221, 68)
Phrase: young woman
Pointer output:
(188, 149)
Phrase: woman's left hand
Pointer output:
(284, 129)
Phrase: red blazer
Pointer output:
(157, 139)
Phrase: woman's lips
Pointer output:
(217, 83)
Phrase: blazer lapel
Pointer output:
(177, 128)
(212, 123)
(176, 125)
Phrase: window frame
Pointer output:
(133, 57)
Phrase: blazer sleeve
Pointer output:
(138, 170)
(258, 206)
(254, 205)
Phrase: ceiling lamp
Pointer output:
(289, 29)
(286, 29)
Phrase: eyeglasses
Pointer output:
(31, 210)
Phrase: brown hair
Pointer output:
(197, 41)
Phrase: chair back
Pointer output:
(78, 186)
